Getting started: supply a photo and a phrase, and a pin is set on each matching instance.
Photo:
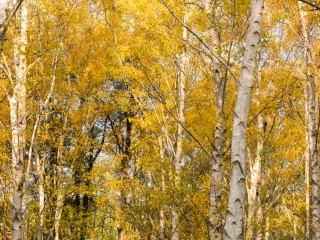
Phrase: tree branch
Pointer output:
(5, 24)
(200, 40)
(317, 7)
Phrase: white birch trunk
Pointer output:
(307, 170)
(58, 212)
(259, 216)
(60, 195)
(162, 223)
(179, 149)
(312, 128)
(182, 65)
(162, 159)
(41, 201)
(40, 173)
(255, 174)
(215, 220)
(267, 233)
(294, 222)
(18, 126)
(234, 216)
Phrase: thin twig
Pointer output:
(200, 39)
(317, 7)
(5, 24)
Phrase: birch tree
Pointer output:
(125, 168)
(255, 169)
(161, 79)
(233, 228)
(215, 221)
(312, 126)
(182, 64)
(161, 212)
(18, 113)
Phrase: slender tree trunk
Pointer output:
(312, 128)
(182, 68)
(255, 173)
(162, 223)
(87, 199)
(125, 174)
(179, 151)
(307, 171)
(18, 126)
(162, 159)
(215, 219)
(40, 173)
(40, 161)
(59, 179)
(260, 217)
(58, 212)
(234, 216)
(253, 190)
(294, 222)
(267, 231)
(41, 201)
(18, 172)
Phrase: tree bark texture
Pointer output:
(215, 219)
(162, 159)
(255, 175)
(233, 228)
(182, 74)
(18, 125)
(312, 127)
(60, 190)
(41, 173)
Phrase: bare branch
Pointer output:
(5, 24)
(317, 7)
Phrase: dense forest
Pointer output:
(159, 119)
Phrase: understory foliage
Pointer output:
(111, 122)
